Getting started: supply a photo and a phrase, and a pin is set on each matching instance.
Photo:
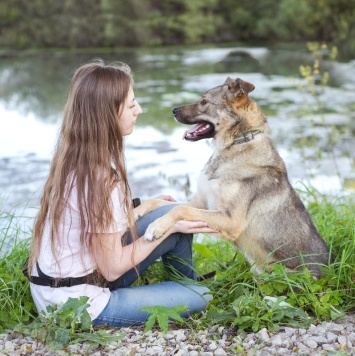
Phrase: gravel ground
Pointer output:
(326, 338)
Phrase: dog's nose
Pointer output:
(175, 111)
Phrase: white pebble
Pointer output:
(263, 335)
(157, 349)
(212, 346)
(311, 343)
(303, 331)
(220, 329)
(220, 352)
(276, 340)
(328, 347)
(302, 347)
(194, 353)
(331, 337)
(289, 331)
(9, 346)
(342, 339)
(286, 344)
(169, 335)
(179, 335)
(320, 340)
(337, 328)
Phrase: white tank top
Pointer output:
(74, 259)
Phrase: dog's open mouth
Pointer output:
(200, 131)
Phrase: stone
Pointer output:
(263, 335)
(312, 344)
(320, 340)
(302, 348)
(303, 331)
(276, 340)
(179, 335)
(289, 331)
(220, 352)
(342, 339)
(351, 337)
(193, 353)
(9, 346)
(212, 346)
(331, 337)
(328, 347)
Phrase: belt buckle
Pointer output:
(61, 282)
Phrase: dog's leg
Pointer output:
(148, 206)
(214, 219)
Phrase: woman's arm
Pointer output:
(113, 260)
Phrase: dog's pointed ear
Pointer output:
(228, 82)
(238, 87)
(246, 86)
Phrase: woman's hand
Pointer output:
(189, 227)
(165, 197)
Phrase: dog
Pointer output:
(243, 190)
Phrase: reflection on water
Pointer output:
(318, 148)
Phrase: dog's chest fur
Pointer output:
(213, 190)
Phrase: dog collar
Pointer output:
(246, 137)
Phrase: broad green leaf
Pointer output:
(85, 321)
(73, 303)
(62, 336)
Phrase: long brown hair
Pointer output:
(90, 143)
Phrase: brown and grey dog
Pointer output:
(243, 190)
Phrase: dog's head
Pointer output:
(223, 108)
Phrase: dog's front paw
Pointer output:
(152, 233)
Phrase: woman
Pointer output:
(81, 245)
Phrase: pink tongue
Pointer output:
(195, 128)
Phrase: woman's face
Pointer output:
(131, 109)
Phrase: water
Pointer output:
(33, 90)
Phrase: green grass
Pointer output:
(16, 305)
(240, 297)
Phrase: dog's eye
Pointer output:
(204, 102)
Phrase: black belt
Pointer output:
(43, 280)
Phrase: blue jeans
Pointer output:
(175, 251)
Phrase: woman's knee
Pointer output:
(144, 222)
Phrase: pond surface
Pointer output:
(315, 134)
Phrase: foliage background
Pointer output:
(112, 23)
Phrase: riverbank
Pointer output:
(326, 338)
